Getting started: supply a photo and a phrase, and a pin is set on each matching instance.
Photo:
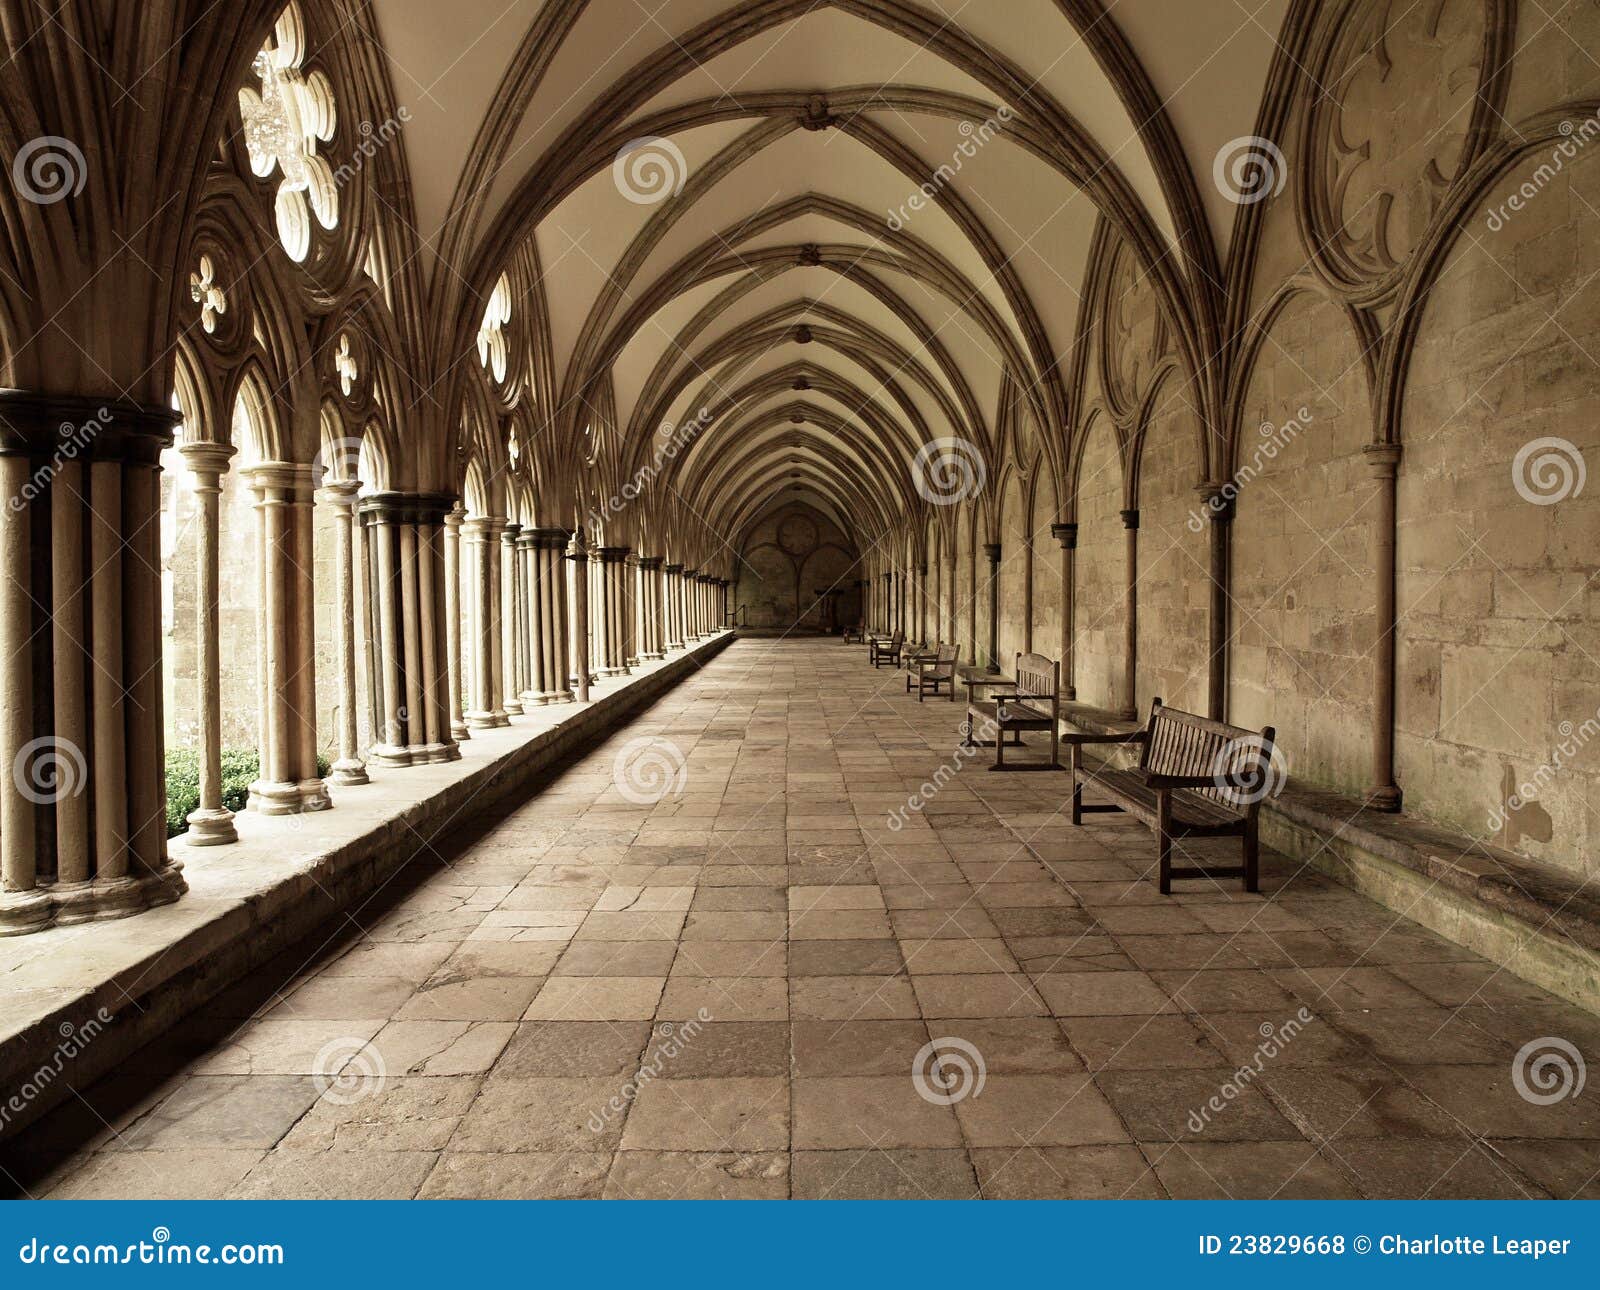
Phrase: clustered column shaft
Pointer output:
(80, 630)
(405, 541)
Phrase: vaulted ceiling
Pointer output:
(840, 228)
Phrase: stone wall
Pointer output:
(1393, 179)
(1101, 566)
(784, 559)
(1499, 647)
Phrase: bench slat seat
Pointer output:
(1192, 815)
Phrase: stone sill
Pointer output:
(1539, 922)
(250, 899)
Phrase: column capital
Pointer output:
(35, 424)
(508, 532)
(553, 539)
(672, 568)
(279, 476)
(1383, 459)
(206, 457)
(613, 554)
(992, 551)
(340, 493)
(652, 562)
(1130, 519)
(455, 517)
(413, 508)
(691, 573)
(577, 548)
(1066, 534)
(1220, 502)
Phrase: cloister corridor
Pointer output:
(729, 987)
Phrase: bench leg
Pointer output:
(1077, 802)
(1252, 856)
(1000, 750)
(1164, 860)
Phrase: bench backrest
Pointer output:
(1239, 761)
(1038, 684)
(1038, 677)
(944, 663)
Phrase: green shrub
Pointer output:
(240, 768)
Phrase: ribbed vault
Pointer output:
(794, 241)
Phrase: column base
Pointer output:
(652, 657)
(392, 755)
(459, 730)
(59, 905)
(433, 753)
(22, 912)
(271, 798)
(1386, 798)
(314, 796)
(349, 771)
(513, 708)
(561, 696)
(211, 827)
(533, 699)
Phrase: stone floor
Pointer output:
(701, 962)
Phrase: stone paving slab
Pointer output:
(812, 1003)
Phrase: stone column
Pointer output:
(409, 640)
(951, 599)
(628, 612)
(1130, 644)
(340, 496)
(578, 647)
(922, 602)
(23, 907)
(674, 632)
(650, 601)
(558, 672)
(1027, 596)
(510, 601)
(277, 789)
(389, 736)
(453, 618)
(1384, 461)
(477, 536)
(1218, 505)
(1067, 535)
(613, 658)
(538, 688)
(211, 823)
(690, 625)
(313, 792)
(992, 551)
(83, 794)
(530, 693)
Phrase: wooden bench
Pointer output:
(1030, 701)
(882, 650)
(1196, 778)
(930, 673)
(855, 634)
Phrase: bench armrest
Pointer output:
(1180, 781)
(1133, 737)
